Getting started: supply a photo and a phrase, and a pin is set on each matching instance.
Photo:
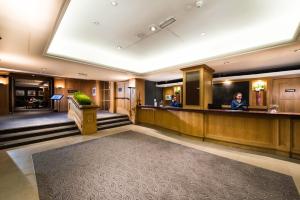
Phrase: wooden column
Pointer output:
(197, 87)
(85, 117)
(4, 100)
(112, 106)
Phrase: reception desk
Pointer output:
(272, 132)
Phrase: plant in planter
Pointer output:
(82, 99)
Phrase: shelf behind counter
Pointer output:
(273, 132)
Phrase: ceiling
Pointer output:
(31, 83)
(227, 35)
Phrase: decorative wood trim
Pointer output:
(85, 117)
(277, 133)
(197, 67)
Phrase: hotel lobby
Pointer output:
(149, 100)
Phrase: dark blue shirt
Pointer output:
(174, 104)
(235, 105)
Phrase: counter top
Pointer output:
(223, 111)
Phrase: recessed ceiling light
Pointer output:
(153, 28)
(114, 3)
(96, 22)
(202, 34)
(119, 47)
(297, 50)
(199, 3)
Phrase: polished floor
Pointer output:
(18, 177)
(36, 118)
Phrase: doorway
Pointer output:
(30, 93)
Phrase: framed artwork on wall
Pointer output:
(94, 91)
(20, 93)
(41, 93)
(31, 93)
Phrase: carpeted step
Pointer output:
(36, 132)
(113, 125)
(41, 138)
(114, 120)
(112, 117)
(36, 127)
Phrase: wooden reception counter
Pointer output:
(275, 132)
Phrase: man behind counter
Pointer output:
(238, 103)
(174, 102)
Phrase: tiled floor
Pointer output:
(17, 172)
(24, 119)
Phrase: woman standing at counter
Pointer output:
(238, 103)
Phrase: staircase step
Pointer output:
(41, 138)
(29, 128)
(113, 125)
(109, 121)
(112, 117)
(36, 132)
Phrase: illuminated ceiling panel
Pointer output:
(121, 36)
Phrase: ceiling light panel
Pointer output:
(236, 27)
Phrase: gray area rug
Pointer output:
(132, 166)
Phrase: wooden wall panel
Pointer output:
(63, 85)
(249, 130)
(189, 123)
(112, 106)
(122, 97)
(287, 101)
(205, 87)
(4, 99)
(146, 116)
(246, 129)
(139, 91)
(127, 95)
(296, 137)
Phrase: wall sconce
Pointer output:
(259, 85)
(227, 82)
(59, 83)
(59, 86)
(3, 81)
(177, 90)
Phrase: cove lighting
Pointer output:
(153, 54)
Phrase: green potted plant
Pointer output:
(82, 99)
